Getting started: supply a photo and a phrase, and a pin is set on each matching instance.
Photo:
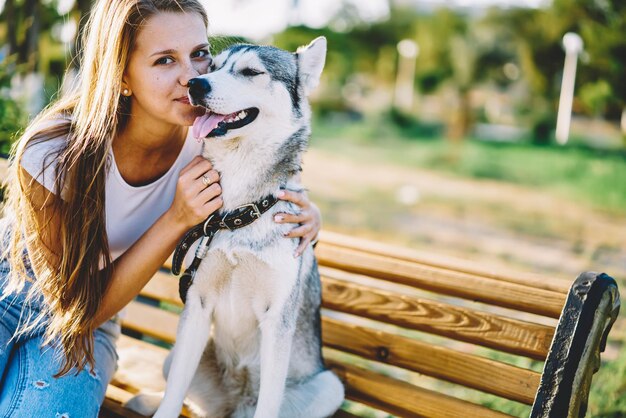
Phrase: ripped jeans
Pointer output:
(27, 386)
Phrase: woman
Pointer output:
(105, 183)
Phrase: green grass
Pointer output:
(608, 398)
(596, 178)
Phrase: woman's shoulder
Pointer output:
(46, 140)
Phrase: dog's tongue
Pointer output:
(205, 124)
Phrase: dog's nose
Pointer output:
(199, 87)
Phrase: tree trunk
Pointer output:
(461, 117)
(83, 8)
(9, 14)
(27, 50)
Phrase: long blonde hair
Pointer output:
(88, 118)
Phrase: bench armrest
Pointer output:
(590, 310)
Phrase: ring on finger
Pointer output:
(206, 180)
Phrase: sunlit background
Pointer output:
(471, 129)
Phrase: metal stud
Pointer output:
(237, 221)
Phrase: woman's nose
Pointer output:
(190, 73)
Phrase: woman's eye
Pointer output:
(164, 60)
(201, 53)
(250, 72)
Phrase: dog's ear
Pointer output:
(311, 59)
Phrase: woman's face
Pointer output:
(170, 49)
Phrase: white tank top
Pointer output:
(130, 210)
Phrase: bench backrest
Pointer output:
(392, 316)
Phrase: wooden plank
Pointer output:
(112, 405)
(119, 392)
(328, 238)
(140, 365)
(151, 321)
(163, 286)
(124, 384)
(483, 374)
(491, 291)
(459, 323)
(442, 363)
(396, 397)
(463, 324)
(401, 398)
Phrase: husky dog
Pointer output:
(248, 342)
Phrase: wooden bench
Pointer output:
(409, 332)
(415, 334)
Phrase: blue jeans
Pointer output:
(27, 386)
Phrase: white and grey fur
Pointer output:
(248, 342)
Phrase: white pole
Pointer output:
(573, 46)
(403, 95)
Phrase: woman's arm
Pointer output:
(192, 203)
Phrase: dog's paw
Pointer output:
(144, 403)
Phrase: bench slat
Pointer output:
(468, 370)
(112, 405)
(508, 335)
(332, 239)
(163, 286)
(463, 285)
(328, 238)
(401, 398)
(151, 321)
(463, 324)
(123, 387)
(143, 318)
(483, 374)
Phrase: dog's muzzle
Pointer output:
(198, 88)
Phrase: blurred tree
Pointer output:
(602, 25)
(534, 40)
(461, 52)
(26, 24)
(12, 117)
(539, 34)
(23, 21)
(80, 12)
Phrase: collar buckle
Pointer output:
(255, 214)
(255, 209)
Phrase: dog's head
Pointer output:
(251, 84)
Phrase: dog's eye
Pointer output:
(250, 72)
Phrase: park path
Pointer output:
(485, 220)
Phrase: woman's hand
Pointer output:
(198, 193)
(309, 219)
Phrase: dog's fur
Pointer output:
(248, 342)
